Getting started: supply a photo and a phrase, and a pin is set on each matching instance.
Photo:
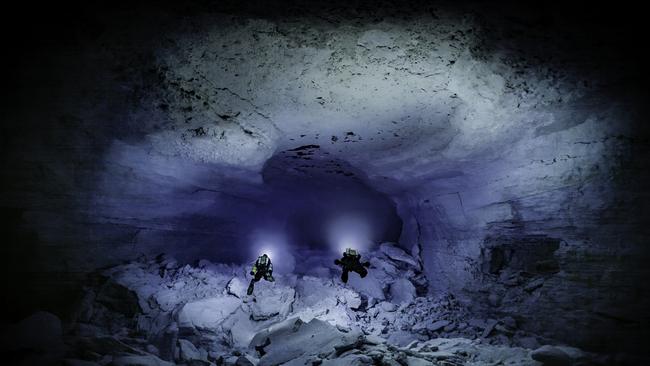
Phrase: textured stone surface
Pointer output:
(508, 142)
(551, 356)
(207, 313)
(324, 321)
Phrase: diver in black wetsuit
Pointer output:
(351, 263)
(263, 268)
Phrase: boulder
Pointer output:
(137, 360)
(398, 254)
(295, 339)
(387, 306)
(349, 298)
(188, 352)
(244, 361)
(207, 313)
(271, 300)
(551, 356)
(240, 327)
(370, 286)
(436, 326)
(237, 287)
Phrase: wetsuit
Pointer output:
(351, 262)
(263, 268)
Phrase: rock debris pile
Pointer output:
(157, 312)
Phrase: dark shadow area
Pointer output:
(317, 191)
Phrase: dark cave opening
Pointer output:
(325, 206)
(306, 209)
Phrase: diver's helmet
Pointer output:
(351, 252)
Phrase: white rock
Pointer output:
(292, 341)
(350, 298)
(387, 306)
(207, 313)
(371, 285)
(237, 287)
(241, 328)
(271, 300)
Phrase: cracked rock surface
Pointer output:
(301, 320)
(505, 150)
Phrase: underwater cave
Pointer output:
(488, 161)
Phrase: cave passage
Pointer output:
(306, 211)
(326, 206)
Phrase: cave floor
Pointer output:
(157, 312)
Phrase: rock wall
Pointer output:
(553, 233)
(510, 140)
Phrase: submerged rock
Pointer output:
(237, 287)
(437, 325)
(207, 313)
(271, 300)
(302, 340)
(551, 356)
(295, 320)
(188, 352)
(131, 360)
(397, 254)
(563, 355)
(402, 291)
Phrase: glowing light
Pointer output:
(349, 231)
(275, 245)
(268, 249)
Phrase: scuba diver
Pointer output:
(262, 268)
(350, 263)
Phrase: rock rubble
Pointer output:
(156, 312)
